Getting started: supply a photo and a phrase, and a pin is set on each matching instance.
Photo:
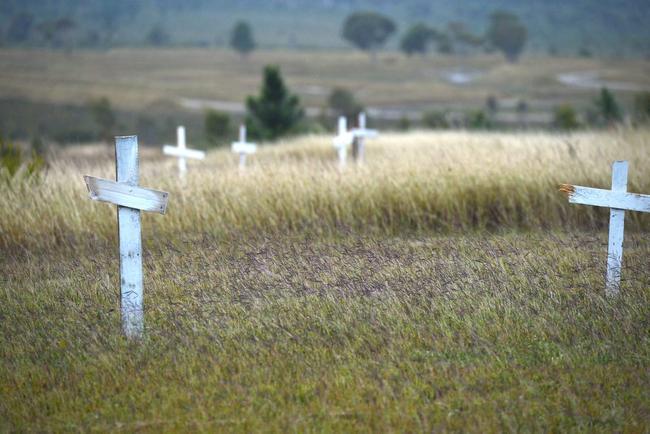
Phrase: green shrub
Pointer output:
(404, 124)
(565, 118)
(607, 108)
(642, 107)
(217, 127)
(14, 164)
(435, 119)
(478, 120)
(343, 103)
(104, 117)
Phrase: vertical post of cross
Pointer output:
(343, 149)
(242, 139)
(243, 148)
(361, 140)
(130, 239)
(616, 231)
(180, 142)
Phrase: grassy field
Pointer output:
(445, 286)
(135, 79)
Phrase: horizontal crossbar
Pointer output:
(343, 140)
(606, 198)
(144, 199)
(183, 153)
(365, 133)
(244, 148)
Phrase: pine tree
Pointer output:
(275, 112)
(608, 108)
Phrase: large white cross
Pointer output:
(242, 147)
(182, 152)
(130, 200)
(343, 140)
(618, 200)
(361, 133)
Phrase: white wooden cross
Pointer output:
(181, 152)
(242, 147)
(343, 140)
(361, 133)
(130, 200)
(618, 200)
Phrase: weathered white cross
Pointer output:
(361, 133)
(343, 140)
(182, 152)
(242, 147)
(130, 200)
(618, 200)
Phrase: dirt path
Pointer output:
(592, 80)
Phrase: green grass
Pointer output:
(472, 333)
(445, 286)
(136, 79)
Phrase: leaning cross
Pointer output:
(182, 152)
(130, 200)
(342, 141)
(618, 200)
(361, 134)
(242, 147)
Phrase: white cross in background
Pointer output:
(618, 200)
(242, 147)
(343, 140)
(361, 134)
(130, 200)
(182, 152)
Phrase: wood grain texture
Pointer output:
(616, 230)
(130, 239)
(619, 201)
(127, 195)
(610, 199)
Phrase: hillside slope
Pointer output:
(607, 26)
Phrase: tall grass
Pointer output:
(442, 182)
(258, 320)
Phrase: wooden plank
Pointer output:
(242, 134)
(180, 142)
(607, 198)
(244, 148)
(183, 153)
(616, 231)
(127, 195)
(344, 137)
(365, 133)
(343, 141)
(131, 280)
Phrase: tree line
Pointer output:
(367, 31)
(580, 26)
(370, 31)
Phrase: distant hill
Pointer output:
(605, 27)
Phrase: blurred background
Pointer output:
(81, 71)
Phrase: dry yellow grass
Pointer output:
(411, 182)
